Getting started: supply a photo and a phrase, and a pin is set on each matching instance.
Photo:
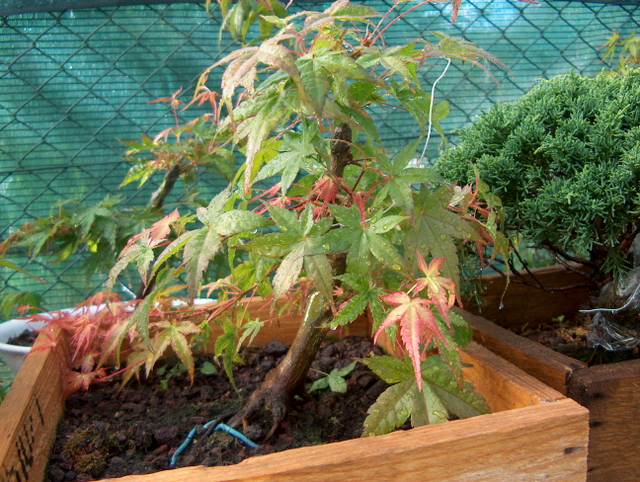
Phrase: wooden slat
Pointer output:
(543, 442)
(519, 308)
(548, 366)
(504, 386)
(612, 395)
(29, 415)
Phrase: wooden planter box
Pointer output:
(610, 392)
(535, 434)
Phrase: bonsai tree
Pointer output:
(564, 161)
(319, 213)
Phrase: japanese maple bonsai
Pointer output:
(319, 213)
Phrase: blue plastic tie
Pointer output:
(234, 433)
(221, 427)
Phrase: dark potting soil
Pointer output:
(26, 338)
(568, 335)
(109, 432)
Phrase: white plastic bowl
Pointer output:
(13, 355)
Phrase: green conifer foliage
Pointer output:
(565, 160)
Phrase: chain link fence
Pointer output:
(75, 82)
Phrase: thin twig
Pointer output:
(558, 251)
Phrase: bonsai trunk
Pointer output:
(273, 398)
(157, 202)
(276, 393)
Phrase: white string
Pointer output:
(629, 302)
(433, 93)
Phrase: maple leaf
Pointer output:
(161, 229)
(85, 333)
(417, 325)
(435, 230)
(297, 153)
(74, 381)
(368, 296)
(439, 397)
(173, 333)
(300, 245)
(461, 49)
(401, 177)
(441, 290)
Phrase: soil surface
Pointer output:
(569, 336)
(109, 432)
(26, 338)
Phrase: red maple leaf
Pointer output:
(74, 381)
(417, 325)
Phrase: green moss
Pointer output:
(88, 449)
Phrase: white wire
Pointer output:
(433, 93)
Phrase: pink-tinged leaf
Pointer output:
(181, 345)
(456, 7)
(396, 298)
(112, 340)
(161, 229)
(243, 67)
(393, 316)
(243, 64)
(74, 381)
(417, 326)
(88, 362)
(441, 290)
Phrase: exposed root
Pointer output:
(271, 402)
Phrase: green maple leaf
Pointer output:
(418, 103)
(299, 244)
(435, 231)
(297, 152)
(397, 59)
(86, 218)
(5, 263)
(219, 222)
(401, 177)
(365, 244)
(173, 334)
(260, 115)
(461, 49)
(199, 246)
(392, 408)
(139, 252)
(459, 399)
(369, 295)
(334, 380)
(316, 81)
(441, 395)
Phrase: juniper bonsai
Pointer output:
(565, 161)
